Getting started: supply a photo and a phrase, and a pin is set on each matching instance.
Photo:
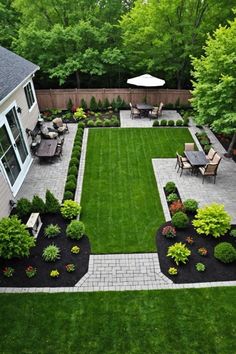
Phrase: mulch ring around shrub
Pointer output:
(42, 277)
(187, 273)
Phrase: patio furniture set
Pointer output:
(197, 161)
(141, 110)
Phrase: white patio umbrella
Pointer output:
(146, 80)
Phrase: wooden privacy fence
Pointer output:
(59, 98)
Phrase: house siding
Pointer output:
(5, 196)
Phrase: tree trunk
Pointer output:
(231, 145)
(77, 79)
(179, 81)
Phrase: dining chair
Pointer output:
(183, 165)
(189, 147)
(209, 170)
(211, 154)
(154, 113)
(184, 159)
(216, 158)
(159, 113)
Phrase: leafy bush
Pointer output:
(106, 104)
(54, 273)
(169, 231)
(90, 123)
(68, 195)
(70, 267)
(172, 197)
(170, 187)
(52, 205)
(207, 148)
(74, 162)
(38, 205)
(212, 220)
(23, 207)
(75, 229)
(114, 122)
(30, 271)
(75, 250)
(83, 104)
(79, 114)
(176, 206)
(190, 205)
(73, 171)
(170, 123)
(8, 272)
(52, 230)
(15, 240)
(173, 271)
(81, 125)
(200, 267)
(93, 104)
(156, 123)
(51, 253)
(69, 105)
(100, 105)
(71, 178)
(179, 252)
(70, 209)
(202, 251)
(106, 123)
(225, 252)
(180, 220)
(70, 186)
(179, 123)
(186, 121)
(163, 122)
(233, 233)
(98, 123)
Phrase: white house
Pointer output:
(18, 111)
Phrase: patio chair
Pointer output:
(209, 170)
(211, 154)
(134, 112)
(189, 147)
(48, 133)
(154, 113)
(184, 159)
(60, 126)
(216, 158)
(183, 165)
(59, 149)
(159, 113)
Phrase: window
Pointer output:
(29, 95)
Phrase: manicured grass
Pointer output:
(197, 321)
(120, 201)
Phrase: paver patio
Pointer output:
(127, 122)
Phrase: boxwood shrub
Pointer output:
(70, 186)
(90, 123)
(180, 220)
(171, 123)
(163, 122)
(106, 123)
(81, 124)
(71, 178)
(73, 171)
(179, 123)
(156, 123)
(225, 252)
(68, 195)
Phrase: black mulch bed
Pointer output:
(42, 278)
(187, 273)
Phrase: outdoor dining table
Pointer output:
(196, 159)
(144, 109)
(47, 148)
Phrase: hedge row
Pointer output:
(171, 123)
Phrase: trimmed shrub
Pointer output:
(73, 171)
(106, 123)
(69, 105)
(170, 123)
(93, 104)
(68, 195)
(83, 104)
(81, 124)
(23, 207)
(179, 123)
(90, 123)
(176, 206)
(70, 209)
(180, 220)
(71, 178)
(52, 205)
(38, 205)
(179, 252)
(212, 220)
(52, 230)
(74, 162)
(51, 253)
(156, 123)
(15, 240)
(163, 122)
(106, 104)
(98, 123)
(172, 197)
(70, 186)
(100, 105)
(225, 252)
(186, 122)
(190, 205)
(170, 187)
(75, 230)
(233, 233)
(115, 122)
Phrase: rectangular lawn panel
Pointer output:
(192, 321)
(120, 202)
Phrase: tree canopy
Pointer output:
(214, 83)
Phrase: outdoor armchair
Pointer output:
(209, 170)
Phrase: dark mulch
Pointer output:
(215, 270)
(42, 278)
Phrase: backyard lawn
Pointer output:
(120, 202)
(197, 321)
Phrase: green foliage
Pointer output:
(30, 271)
(15, 240)
(190, 205)
(180, 220)
(233, 233)
(179, 123)
(169, 231)
(79, 114)
(100, 105)
(186, 122)
(93, 104)
(212, 220)
(68, 195)
(106, 104)
(71, 178)
(69, 105)
(98, 123)
(70, 209)
(83, 104)
(173, 271)
(75, 250)
(75, 230)
(106, 123)
(114, 122)
(23, 207)
(70, 186)
(52, 230)
(156, 123)
(225, 252)
(170, 187)
(90, 123)
(54, 273)
(74, 162)
(51, 253)
(38, 205)
(8, 272)
(172, 197)
(170, 123)
(52, 205)
(179, 252)
(200, 267)
(70, 267)
(163, 122)
(73, 171)
(119, 102)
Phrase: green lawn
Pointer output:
(200, 321)
(120, 202)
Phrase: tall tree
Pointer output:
(215, 82)
(9, 21)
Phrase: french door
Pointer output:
(14, 153)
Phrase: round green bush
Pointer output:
(75, 154)
(106, 123)
(170, 187)
(190, 205)
(225, 252)
(180, 220)
(172, 197)
(70, 186)
(171, 123)
(51, 253)
(73, 171)
(115, 122)
(233, 233)
(77, 146)
(23, 207)
(52, 230)
(75, 230)
(71, 178)
(90, 123)
(156, 123)
(68, 195)
(70, 209)
(98, 123)
(74, 162)
(81, 125)
(163, 122)
(179, 123)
